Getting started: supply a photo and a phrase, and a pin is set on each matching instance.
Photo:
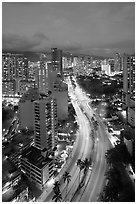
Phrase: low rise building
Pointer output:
(37, 167)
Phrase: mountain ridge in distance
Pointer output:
(35, 56)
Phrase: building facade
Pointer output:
(60, 92)
(26, 109)
(24, 86)
(8, 66)
(45, 123)
(8, 87)
(56, 56)
(128, 96)
(105, 67)
(118, 62)
(14, 66)
(42, 74)
(36, 167)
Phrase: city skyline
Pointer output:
(68, 102)
(98, 28)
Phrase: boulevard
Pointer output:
(83, 148)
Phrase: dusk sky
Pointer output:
(98, 28)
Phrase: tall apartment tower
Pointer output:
(14, 66)
(36, 161)
(105, 67)
(59, 91)
(45, 123)
(128, 97)
(14, 69)
(8, 66)
(43, 74)
(117, 63)
(22, 68)
(128, 78)
(25, 112)
(57, 60)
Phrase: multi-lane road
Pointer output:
(95, 179)
(83, 148)
(80, 151)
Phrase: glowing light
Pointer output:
(51, 182)
(123, 114)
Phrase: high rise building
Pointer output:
(8, 66)
(24, 86)
(43, 74)
(45, 123)
(26, 109)
(118, 62)
(59, 91)
(14, 68)
(36, 163)
(112, 65)
(36, 74)
(105, 67)
(31, 69)
(129, 87)
(128, 77)
(56, 55)
(88, 61)
(52, 77)
(8, 87)
(22, 68)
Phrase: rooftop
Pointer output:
(34, 156)
(31, 94)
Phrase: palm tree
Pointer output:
(86, 164)
(118, 154)
(57, 197)
(67, 177)
(56, 188)
(80, 164)
(95, 124)
(109, 194)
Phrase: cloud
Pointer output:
(22, 43)
(38, 42)
(72, 26)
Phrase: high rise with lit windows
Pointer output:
(25, 112)
(9, 66)
(42, 74)
(36, 163)
(105, 67)
(14, 69)
(129, 87)
(59, 91)
(14, 66)
(45, 123)
(117, 62)
(8, 87)
(22, 68)
(128, 78)
(56, 56)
